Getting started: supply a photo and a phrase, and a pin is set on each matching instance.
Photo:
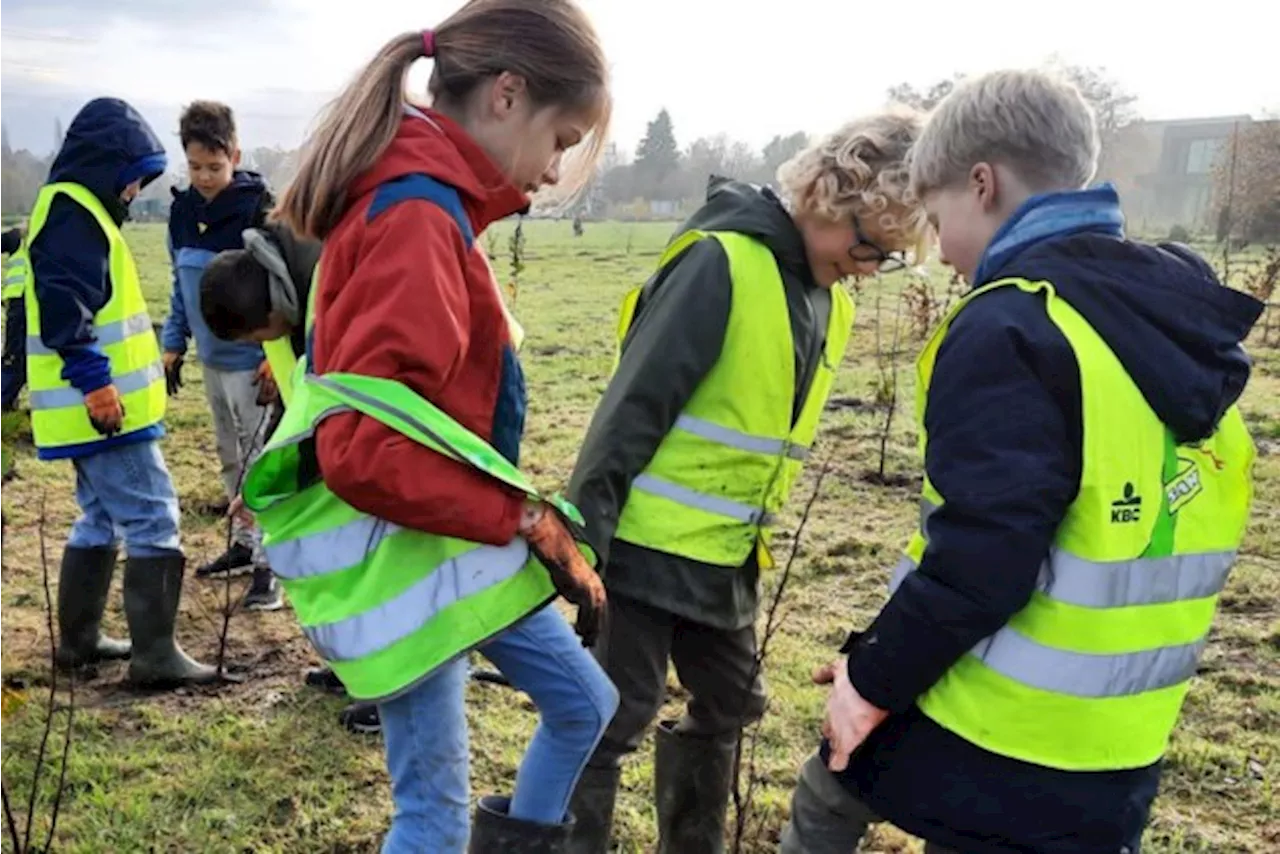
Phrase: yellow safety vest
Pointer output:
(122, 328)
(1091, 674)
(728, 464)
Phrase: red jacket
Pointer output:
(402, 297)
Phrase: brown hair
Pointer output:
(550, 43)
(210, 123)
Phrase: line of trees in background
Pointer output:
(663, 178)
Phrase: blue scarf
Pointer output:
(1049, 215)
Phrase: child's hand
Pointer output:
(172, 372)
(236, 510)
(268, 391)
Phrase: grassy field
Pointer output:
(263, 767)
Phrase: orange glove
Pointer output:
(268, 392)
(106, 412)
(552, 543)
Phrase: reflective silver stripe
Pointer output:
(329, 551)
(927, 509)
(107, 333)
(58, 398)
(1142, 581)
(1081, 674)
(741, 441)
(454, 580)
(691, 498)
(899, 574)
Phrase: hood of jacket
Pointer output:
(756, 212)
(1161, 309)
(108, 146)
(233, 208)
(429, 143)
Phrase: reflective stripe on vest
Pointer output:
(726, 467)
(122, 331)
(15, 275)
(383, 604)
(1091, 674)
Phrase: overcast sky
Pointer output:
(751, 71)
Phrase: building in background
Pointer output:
(1164, 171)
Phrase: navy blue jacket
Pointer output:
(1004, 426)
(199, 230)
(108, 146)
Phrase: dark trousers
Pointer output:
(716, 667)
(15, 352)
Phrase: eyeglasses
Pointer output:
(888, 261)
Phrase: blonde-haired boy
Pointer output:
(727, 357)
(1087, 485)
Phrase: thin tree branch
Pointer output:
(743, 802)
(227, 608)
(66, 755)
(11, 824)
(53, 678)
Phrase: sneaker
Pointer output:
(324, 679)
(265, 593)
(236, 561)
(361, 719)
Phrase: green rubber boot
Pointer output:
(83, 582)
(494, 830)
(692, 776)
(152, 590)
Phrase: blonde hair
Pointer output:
(1035, 123)
(860, 169)
(550, 43)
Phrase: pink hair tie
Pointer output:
(428, 43)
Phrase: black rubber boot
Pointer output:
(152, 589)
(592, 808)
(496, 832)
(83, 583)
(691, 777)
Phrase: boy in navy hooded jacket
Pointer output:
(96, 398)
(205, 219)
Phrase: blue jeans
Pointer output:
(125, 492)
(425, 731)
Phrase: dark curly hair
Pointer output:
(210, 123)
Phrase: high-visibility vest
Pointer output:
(122, 328)
(15, 272)
(727, 465)
(279, 353)
(386, 606)
(1091, 674)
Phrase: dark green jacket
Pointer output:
(673, 343)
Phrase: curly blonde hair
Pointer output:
(861, 169)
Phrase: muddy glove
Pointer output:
(268, 391)
(172, 373)
(551, 541)
(106, 412)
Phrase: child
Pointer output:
(727, 357)
(97, 396)
(393, 509)
(15, 322)
(205, 219)
(1087, 483)
(260, 293)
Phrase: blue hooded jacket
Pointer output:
(199, 230)
(108, 146)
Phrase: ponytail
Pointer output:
(353, 133)
(550, 43)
